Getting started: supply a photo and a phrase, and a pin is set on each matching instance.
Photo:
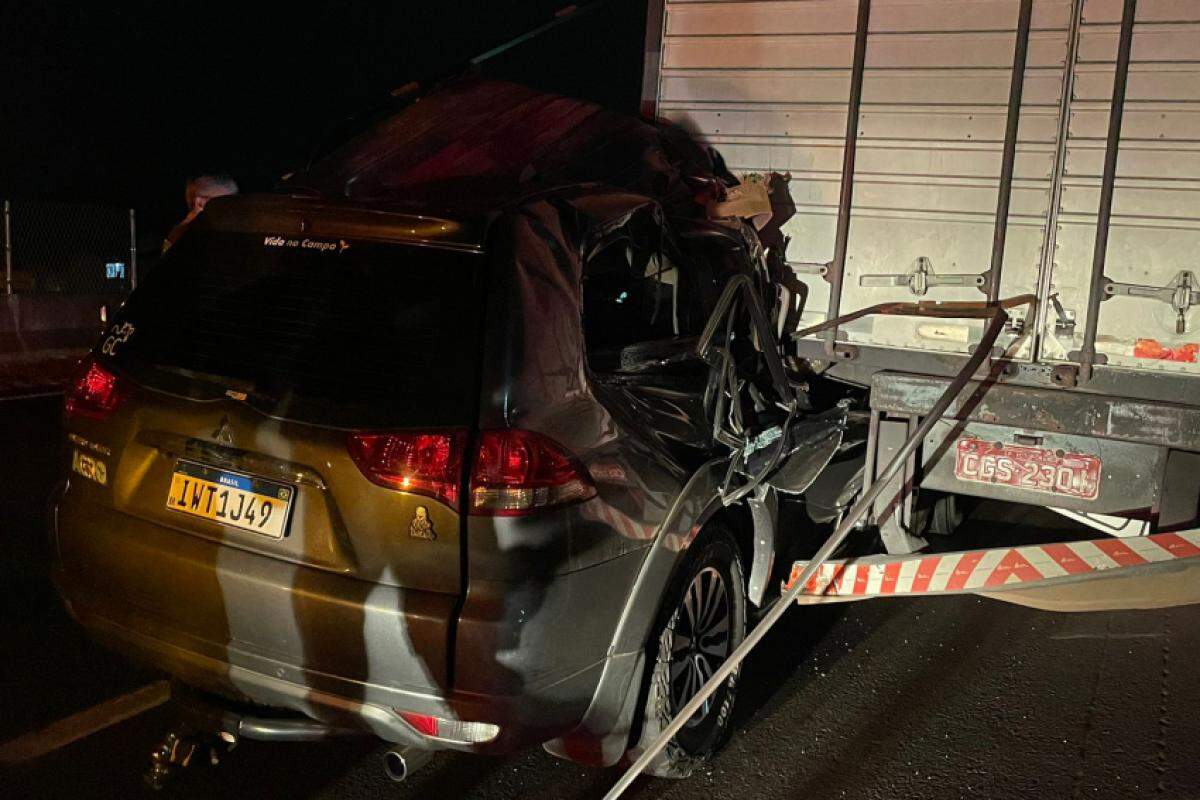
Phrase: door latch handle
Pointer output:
(1181, 294)
(921, 278)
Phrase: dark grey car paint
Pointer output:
(536, 624)
(551, 605)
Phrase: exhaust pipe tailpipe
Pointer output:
(401, 762)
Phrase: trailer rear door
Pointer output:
(769, 84)
(1150, 320)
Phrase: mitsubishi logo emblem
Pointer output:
(224, 433)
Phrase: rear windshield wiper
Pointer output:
(233, 388)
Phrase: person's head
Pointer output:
(203, 188)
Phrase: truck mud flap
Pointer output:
(1156, 571)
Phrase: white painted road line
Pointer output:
(75, 727)
(31, 395)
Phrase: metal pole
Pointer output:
(568, 13)
(8, 285)
(656, 16)
(132, 249)
(837, 267)
(1050, 236)
(1015, 88)
(1087, 354)
(999, 317)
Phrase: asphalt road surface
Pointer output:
(941, 698)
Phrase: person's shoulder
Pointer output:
(175, 234)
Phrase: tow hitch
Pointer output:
(208, 728)
(181, 749)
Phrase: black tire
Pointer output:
(944, 513)
(708, 591)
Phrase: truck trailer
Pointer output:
(925, 157)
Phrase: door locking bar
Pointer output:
(1181, 294)
(809, 268)
(837, 267)
(921, 278)
(1088, 356)
(1064, 321)
(991, 278)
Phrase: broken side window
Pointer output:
(629, 298)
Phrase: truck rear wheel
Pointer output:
(703, 620)
(946, 513)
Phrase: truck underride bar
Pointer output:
(1001, 569)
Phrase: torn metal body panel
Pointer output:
(764, 514)
(808, 447)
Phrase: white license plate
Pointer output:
(1034, 469)
(231, 498)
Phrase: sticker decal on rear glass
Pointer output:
(320, 245)
(118, 335)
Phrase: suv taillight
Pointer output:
(514, 472)
(95, 394)
(517, 472)
(422, 463)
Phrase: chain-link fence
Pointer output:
(62, 264)
(68, 248)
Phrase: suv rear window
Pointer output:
(344, 333)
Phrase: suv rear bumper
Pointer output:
(534, 677)
(523, 720)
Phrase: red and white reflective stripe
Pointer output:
(626, 525)
(975, 570)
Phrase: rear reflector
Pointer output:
(95, 394)
(423, 724)
(449, 729)
(429, 464)
(518, 471)
(514, 472)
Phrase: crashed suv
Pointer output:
(440, 441)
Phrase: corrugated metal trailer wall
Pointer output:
(768, 83)
(1155, 223)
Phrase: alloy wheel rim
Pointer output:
(700, 639)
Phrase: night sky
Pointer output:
(119, 102)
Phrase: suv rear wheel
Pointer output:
(703, 620)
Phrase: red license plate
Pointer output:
(1031, 468)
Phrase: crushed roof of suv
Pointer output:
(477, 145)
